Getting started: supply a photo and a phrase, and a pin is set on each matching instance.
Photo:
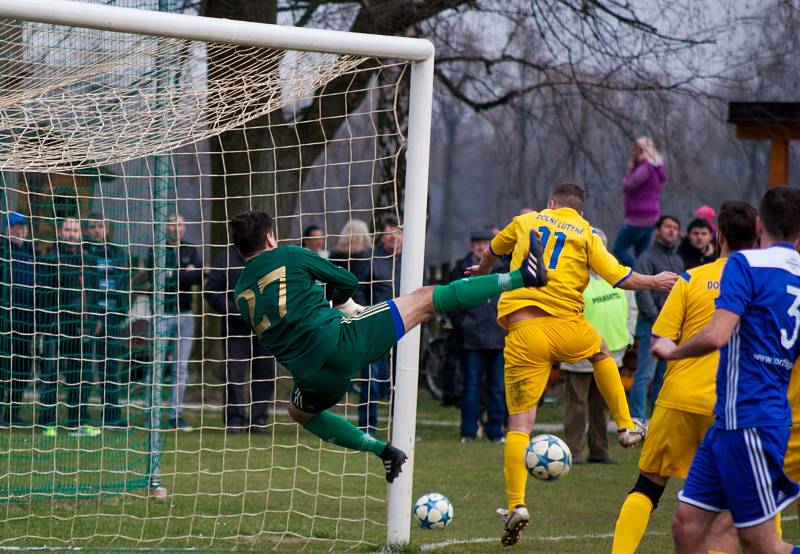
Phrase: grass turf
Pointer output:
(272, 490)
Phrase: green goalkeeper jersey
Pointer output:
(278, 296)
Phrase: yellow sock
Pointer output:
(778, 525)
(515, 472)
(606, 375)
(632, 523)
(719, 552)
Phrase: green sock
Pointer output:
(473, 291)
(332, 428)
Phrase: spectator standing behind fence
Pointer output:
(247, 364)
(353, 252)
(641, 188)
(480, 340)
(183, 270)
(613, 313)
(66, 354)
(17, 281)
(386, 260)
(107, 285)
(697, 247)
(662, 256)
(314, 240)
(384, 282)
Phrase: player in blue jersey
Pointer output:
(739, 465)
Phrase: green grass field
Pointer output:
(259, 487)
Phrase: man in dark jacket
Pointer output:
(243, 351)
(385, 285)
(697, 247)
(386, 261)
(107, 285)
(61, 277)
(17, 282)
(183, 270)
(480, 340)
(661, 256)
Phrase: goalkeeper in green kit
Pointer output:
(323, 347)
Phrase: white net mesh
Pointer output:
(108, 142)
(81, 98)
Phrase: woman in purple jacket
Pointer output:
(642, 186)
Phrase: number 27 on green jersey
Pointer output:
(249, 295)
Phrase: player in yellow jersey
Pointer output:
(685, 406)
(547, 326)
(791, 462)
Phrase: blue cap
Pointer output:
(15, 218)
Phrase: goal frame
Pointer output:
(419, 52)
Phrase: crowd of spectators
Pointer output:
(68, 308)
(71, 306)
(63, 311)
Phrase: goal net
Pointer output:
(135, 410)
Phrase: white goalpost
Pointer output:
(132, 120)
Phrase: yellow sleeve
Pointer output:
(503, 243)
(602, 262)
(670, 321)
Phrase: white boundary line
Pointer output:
(528, 538)
(557, 538)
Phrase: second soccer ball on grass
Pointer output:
(548, 457)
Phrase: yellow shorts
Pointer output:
(673, 438)
(791, 462)
(533, 346)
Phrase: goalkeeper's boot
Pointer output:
(513, 524)
(533, 270)
(632, 437)
(393, 460)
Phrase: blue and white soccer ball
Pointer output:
(433, 511)
(548, 457)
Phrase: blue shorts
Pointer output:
(741, 471)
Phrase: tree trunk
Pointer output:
(246, 174)
(238, 163)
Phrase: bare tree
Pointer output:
(489, 54)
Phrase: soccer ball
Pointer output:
(548, 457)
(433, 511)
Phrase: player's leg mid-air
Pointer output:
(407, 312)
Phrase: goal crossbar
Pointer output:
(209, 29)
(418, 51)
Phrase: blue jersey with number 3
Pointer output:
(763, 288)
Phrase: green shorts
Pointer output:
(363, 339)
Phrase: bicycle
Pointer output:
(439, 362)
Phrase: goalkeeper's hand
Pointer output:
(350, 308)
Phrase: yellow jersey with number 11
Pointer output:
(571, 249)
